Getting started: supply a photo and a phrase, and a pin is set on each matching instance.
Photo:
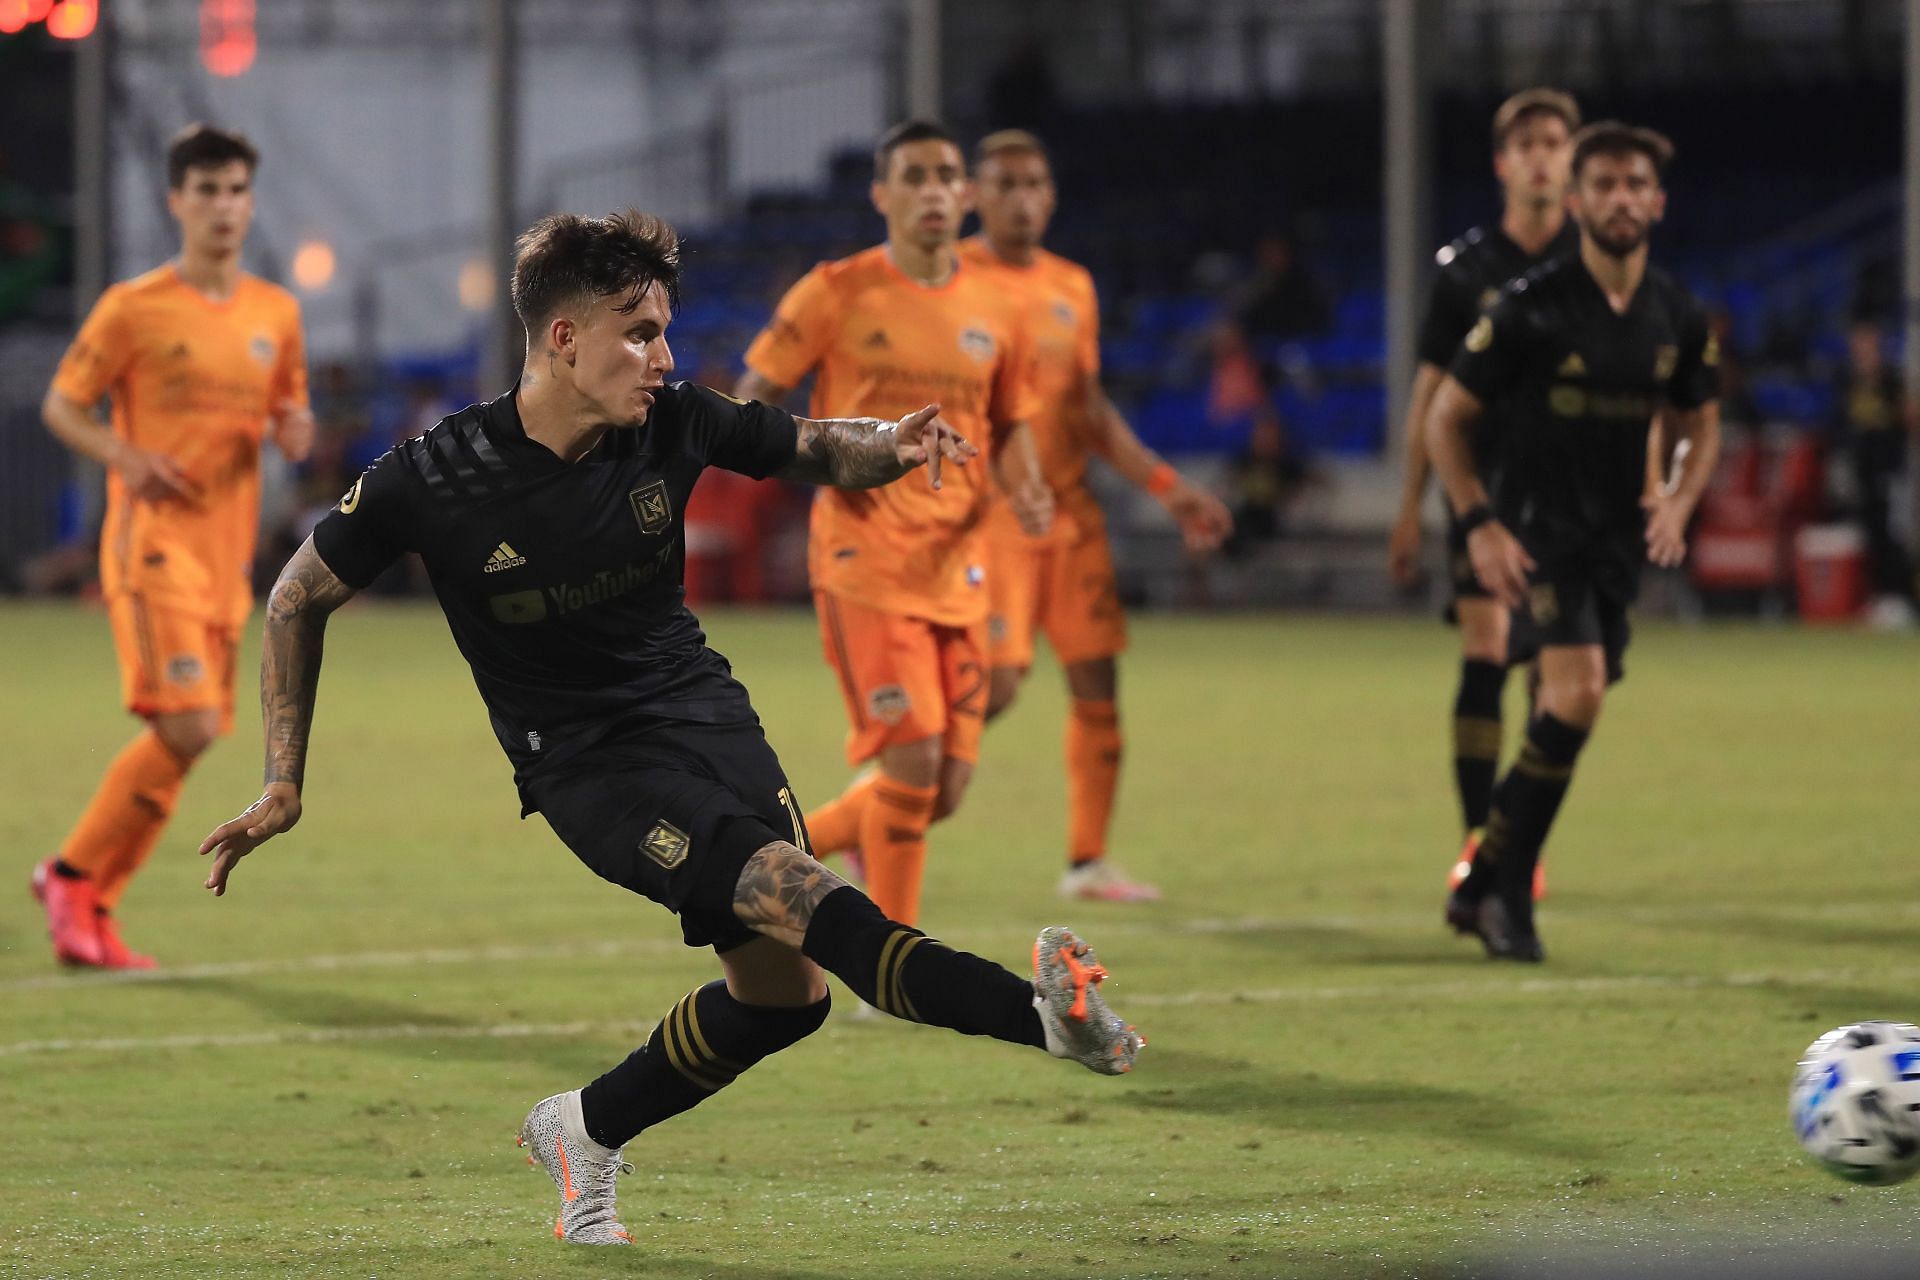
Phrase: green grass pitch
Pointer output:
(327, 1078)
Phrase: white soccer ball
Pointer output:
(1856, 1101)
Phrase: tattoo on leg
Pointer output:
(778, 890)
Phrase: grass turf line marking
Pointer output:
(1161, 1000)
(1352, 922)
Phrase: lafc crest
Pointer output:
(666, 844)
(651, 507)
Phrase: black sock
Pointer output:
(903, 972)
(699, 1047)
(1476, 737)
(66, 872)
(1524, 809)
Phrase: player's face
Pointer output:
(1617, 199)
(925, 193)
(214, 207)
(620, 361)
(1533, 164)
(1015, 197)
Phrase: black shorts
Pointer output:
(1569, 606)
(673, 811)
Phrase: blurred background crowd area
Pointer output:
(1220, 166)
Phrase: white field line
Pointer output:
(1400, 992)
(612, 949)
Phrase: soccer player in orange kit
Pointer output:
(1063, 583)
(899, 572)
(202, 362)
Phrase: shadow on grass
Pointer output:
(306, 1009)
(1212, 1085)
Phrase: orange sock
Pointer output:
(835, 826)
(1093, 775)
(124, 819)
(893, 837)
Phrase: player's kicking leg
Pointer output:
(773, 996)
(785, 895)
(646, 812)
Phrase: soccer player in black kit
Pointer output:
(1578, 357)
(1532, 151)
(550, 524)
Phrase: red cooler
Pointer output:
(1830, 572)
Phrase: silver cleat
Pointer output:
(1077, 1021)
(583, 1171)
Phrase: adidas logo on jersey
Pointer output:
(877, 341)
(503, 557)
(1572, 367)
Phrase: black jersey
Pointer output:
(1578, 386)
(562, 582)
(1472, 271)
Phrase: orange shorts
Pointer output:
(172, 661)
(1065, 589)
(905, 679)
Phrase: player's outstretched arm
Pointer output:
(861, 453)
(1203, 519)
(297, 611)
(1499, 561)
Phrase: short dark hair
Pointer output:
(565, 259)
(201, 146)
(1533, 102)
(903, 133)
(1009, 142)
(1614, 138)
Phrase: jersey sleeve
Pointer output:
(746, 436)
(1451, 313)
(1089, 345)
(372, 526)
(800, 333)
(1014, 397)
(290, 376)
(1493, 355)
(100, 353)
(1696, 375)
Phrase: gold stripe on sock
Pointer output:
(883, 988)
(1476, 738)
(712, 1060)
(678, 1056)
(898, 978)
(1535, 765)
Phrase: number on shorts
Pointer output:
(799, 828)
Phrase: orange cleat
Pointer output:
(71, 911)
(115, 954)
(1465, 864)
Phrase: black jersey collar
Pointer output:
(509, 433)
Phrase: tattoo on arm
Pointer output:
(305, 594)
(779, 889)
(851, 453)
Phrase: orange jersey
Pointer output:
(196, 380)
(882, 345)
(1064, 324)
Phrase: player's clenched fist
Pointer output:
(277, 810)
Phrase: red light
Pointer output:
(73, 19)
(227, 42)
(13, 16)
